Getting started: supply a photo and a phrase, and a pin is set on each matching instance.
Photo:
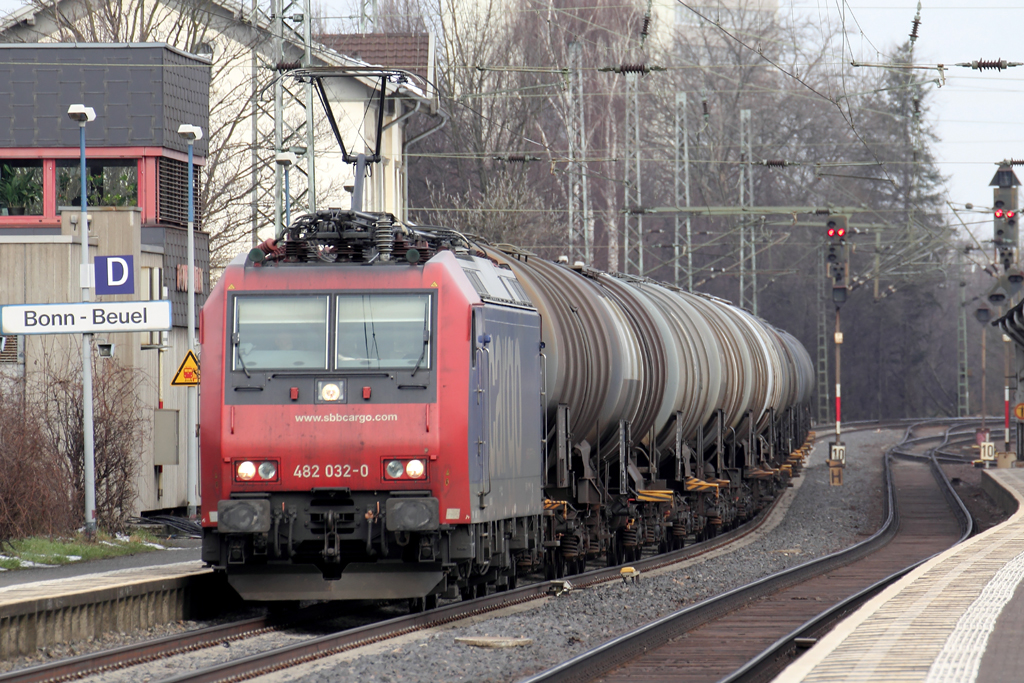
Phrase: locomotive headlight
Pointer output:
(268, 470)
(394, 469)
(330, 392)
(414, 468)
(246, 470)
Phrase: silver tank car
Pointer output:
(620, 348)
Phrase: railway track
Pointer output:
(315, 648)
(751, 633)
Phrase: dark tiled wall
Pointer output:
(141, 94)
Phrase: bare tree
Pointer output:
(119, 430)
(34, 495)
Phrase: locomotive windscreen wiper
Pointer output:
(235, 340)
(423, 353)
(426, 337)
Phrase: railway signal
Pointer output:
(837, 226)
(837, 256)
(1005, 214)
(838, 266)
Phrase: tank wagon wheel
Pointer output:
(555, 565)
(617, 551)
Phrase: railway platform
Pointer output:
(41, 613)
(958, 618)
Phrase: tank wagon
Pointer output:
(402, 412)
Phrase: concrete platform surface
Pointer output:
(958, 618)
(58, 588)
(182, 550)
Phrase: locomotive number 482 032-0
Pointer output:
(331, 471)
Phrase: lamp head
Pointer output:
(285, 159)
(81, 113)
(190, 133)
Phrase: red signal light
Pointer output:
(1011, 214)
(831, 232)
(841, 232)
(999, 213)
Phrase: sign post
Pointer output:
(86, 318)
(188, 372)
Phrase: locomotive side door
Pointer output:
(479, 412)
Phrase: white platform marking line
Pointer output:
(960, 657)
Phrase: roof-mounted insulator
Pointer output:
(287, 66)
(997, 64)
(774, 163)
(915, 24)
(1013, 162)
(642, 69)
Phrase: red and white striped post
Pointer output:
(839, 393)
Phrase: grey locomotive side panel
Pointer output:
(505, 428)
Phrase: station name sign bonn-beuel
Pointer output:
(86, 318)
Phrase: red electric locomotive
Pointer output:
(368, 424)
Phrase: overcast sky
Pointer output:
(975, 114)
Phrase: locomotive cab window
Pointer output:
(280, 333)
(383, 331)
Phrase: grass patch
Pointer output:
(28, 552)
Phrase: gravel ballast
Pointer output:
(811, 520)
(820, 519)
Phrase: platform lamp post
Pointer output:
(191, 134)
(83, 114)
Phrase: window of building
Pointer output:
(173, 189)
(109, 182)
(21, 187)
(10, 351)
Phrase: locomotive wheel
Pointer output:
(417, 605)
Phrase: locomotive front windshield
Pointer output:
(280, 333)
(383, 331)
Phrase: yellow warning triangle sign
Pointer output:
(188, 372)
